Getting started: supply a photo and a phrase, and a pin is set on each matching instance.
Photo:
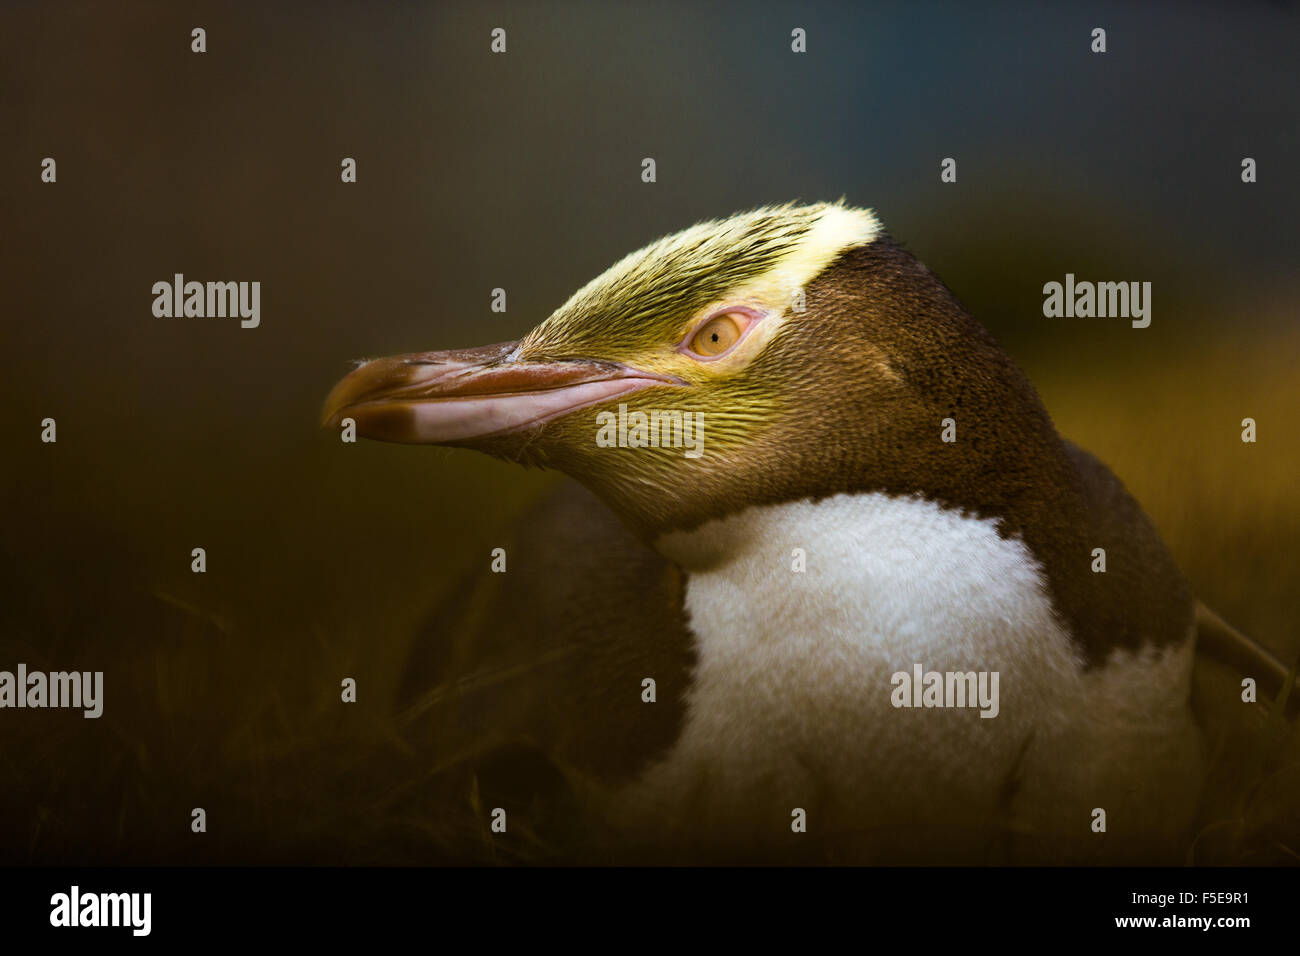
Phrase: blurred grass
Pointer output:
(1169, 425)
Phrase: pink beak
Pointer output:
(459, 396)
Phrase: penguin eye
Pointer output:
(718, 334)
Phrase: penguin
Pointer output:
(826, 586)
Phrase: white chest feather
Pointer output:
(804, 612)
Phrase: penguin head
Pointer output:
(755, 359)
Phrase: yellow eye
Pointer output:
(716, 335)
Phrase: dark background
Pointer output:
(523, 171)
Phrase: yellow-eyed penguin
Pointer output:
(842, 537)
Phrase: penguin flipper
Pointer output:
(554, 653)
(1220, 642)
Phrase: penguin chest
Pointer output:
(868, 658)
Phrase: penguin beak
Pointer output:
(459, 396)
